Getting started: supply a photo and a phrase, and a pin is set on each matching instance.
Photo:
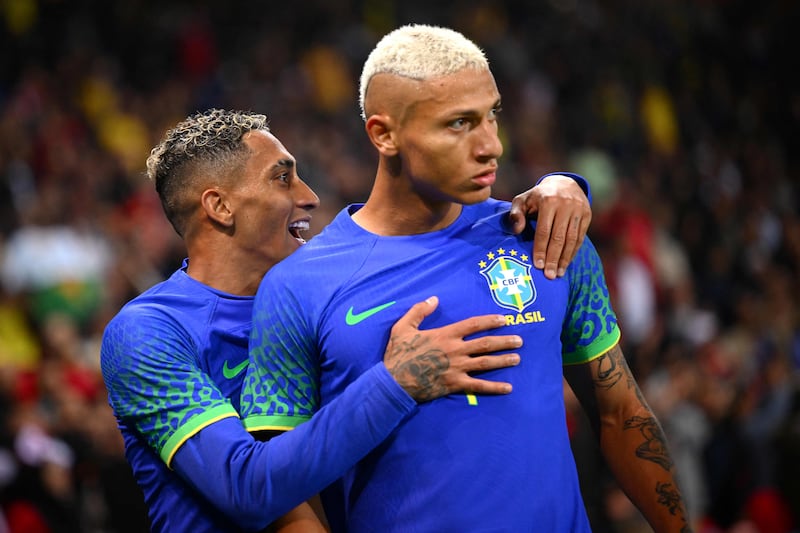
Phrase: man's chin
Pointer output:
(476, 197)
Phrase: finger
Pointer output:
(483, 363)
(418, 312)
(485, 386)
(571, 245)
(475, 324)
(580, 226)
(492, 343)
(517, 216)
(555, 248)
(586, 219)
(546, 249)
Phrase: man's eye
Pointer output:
(285, 177)
(458, 123)
(496, 111)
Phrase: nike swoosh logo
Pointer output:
(354, 318)
(231, 373)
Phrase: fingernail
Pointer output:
(431, 300)
(562, 271)
(539, 263)
(550, 273)
(518, 341)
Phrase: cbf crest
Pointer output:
(509, 277)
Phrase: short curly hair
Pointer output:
(207, 143)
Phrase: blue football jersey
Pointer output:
(462, 462)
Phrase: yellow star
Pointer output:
(482, 264)
(524, 257)
(490, 255)
(501, 251)
(513, 253)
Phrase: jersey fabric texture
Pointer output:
(173, 360)
(462, 462)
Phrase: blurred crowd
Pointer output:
(684, 116)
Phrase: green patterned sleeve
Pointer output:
(155, 384)
(590, 327)
(281, 388)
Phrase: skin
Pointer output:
(438, 150)
(631, 438)
(446, 143)
(563, 217)
(559, 232)
(241, 227)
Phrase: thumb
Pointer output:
(516, 216)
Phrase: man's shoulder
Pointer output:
(327, 253)
(157, 296)
(490, 215)
(169, 303)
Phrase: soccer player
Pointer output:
(173, 359)
(465, 462)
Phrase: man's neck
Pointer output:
(392, 218)
(231, 271)
(395, 207)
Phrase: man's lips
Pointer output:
(296, 228)
(485, 180)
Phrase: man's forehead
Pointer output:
(265, 145)
(465, 91)
(468, 87)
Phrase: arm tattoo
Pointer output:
(608, 371)
(418, 370)
(612, 368)
(654, 447)
(669, 497)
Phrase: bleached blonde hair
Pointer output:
(420, 52)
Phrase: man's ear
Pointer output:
(380, 130)
(216, 207)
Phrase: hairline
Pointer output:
(420, 52)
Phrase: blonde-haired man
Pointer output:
(464, 462)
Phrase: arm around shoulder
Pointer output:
(255, 483)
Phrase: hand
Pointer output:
(432, 363)
(563, 216)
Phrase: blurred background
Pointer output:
(684, 116)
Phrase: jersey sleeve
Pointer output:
(256, 482)
(281, 387)
(154, 382)
(590, 327)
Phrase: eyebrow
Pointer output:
(288, 163)
(474, 112)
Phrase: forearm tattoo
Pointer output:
(670, 497)
(418, 368)
(654, 447)
(609, 371)
(612, 369)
